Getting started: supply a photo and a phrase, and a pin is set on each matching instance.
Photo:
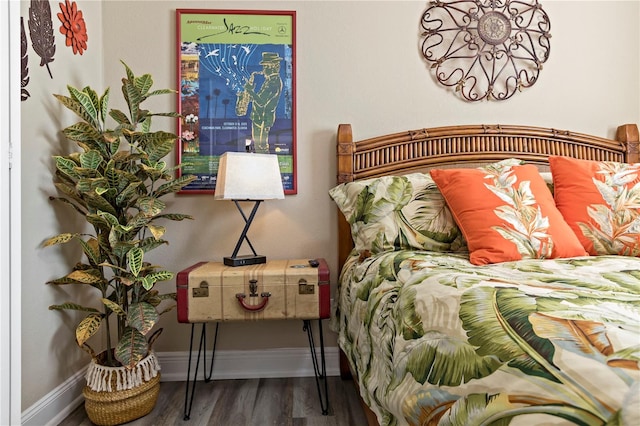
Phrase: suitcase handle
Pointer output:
(253, 286)
(253, 308)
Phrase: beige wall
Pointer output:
(357, 62)
(48, 353)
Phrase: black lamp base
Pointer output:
(250, 259)
(245, 260)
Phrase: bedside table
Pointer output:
(279, 289)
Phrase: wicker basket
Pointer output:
(115, 402)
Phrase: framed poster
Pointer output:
(236, 79)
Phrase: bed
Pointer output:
(481, 284)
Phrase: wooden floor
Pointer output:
(250, 402)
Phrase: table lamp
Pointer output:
(247, 176)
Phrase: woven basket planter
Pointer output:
(117, 395)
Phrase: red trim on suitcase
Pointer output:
(324, 289)
(182, 292)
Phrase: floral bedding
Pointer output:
(435, 340)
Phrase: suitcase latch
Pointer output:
(202, 291)
(305, 288)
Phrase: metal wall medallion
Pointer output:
(486, 49)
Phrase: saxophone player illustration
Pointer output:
(263, 101)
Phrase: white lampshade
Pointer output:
(248, 176)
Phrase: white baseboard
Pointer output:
(292, 362)
(57, 404)
(232, 364)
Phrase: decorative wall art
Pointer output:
(236, 79)
(24, 63)
(41, 32)
(42, 35)
(73, 27)
(486, 49)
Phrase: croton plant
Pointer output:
(116, 181)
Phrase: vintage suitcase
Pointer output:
(278, 289)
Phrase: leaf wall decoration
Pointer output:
(24, 61)
(41, 31)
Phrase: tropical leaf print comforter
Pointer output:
(435, 340)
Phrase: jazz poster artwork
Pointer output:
(236, 76)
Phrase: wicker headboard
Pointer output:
(414, 150)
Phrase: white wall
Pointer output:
(357, 62)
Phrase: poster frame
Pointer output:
(217, 53)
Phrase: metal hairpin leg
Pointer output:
(202, 350)
(319, 371)
(319, 368)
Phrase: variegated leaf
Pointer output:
(143, 84)
(83, 132)
(153, 298)
(66, 166)
(157, 231)
(122, 248)
(119, 116)
(88, 327)
(60, 239)
(145, 125)
(151, 243)
(63, 281)
(85, 277)
(98, 221)
(134, 259)
(174, 185)
(109, 218)
(147, 282)
(142, 316)
(111, 174)
(158, 144)
(93, 95)
(84, 185)
(104, 105)
(91, 249)
(128, 194)
(72, 307)
(133, 98)
(150, 206)
(97, 202)
(90, 111)
(131, 348)
(130, 75)
(105, 191)
(68, 190)
(75, 106)
(114, 307)
(164, 92)
(113, 238)
(174, 216)
(138, 221)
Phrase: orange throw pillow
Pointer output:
(506, 212)
(600, 200)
